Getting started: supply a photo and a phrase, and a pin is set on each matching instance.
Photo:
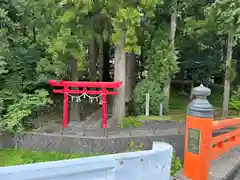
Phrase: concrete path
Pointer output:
(237, 176)
(152, 128)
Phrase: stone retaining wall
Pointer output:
(6, 141)
(78, 144)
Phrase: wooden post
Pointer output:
(161, 111)
(147, 104)
(104, 109)
(198, 135)
(65, 108)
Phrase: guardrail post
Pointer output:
(198, 135)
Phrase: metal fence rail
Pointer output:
(143, 165)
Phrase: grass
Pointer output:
(154, 118)
(132, 121)
(178, 108)
(179, 102)
(178, 105)
(10, 157)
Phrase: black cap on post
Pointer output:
(200, 107)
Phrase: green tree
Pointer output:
(19, 57)
(64, 31)
(126, 21)
(226, 16)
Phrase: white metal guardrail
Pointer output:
(154, 164)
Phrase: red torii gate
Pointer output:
(84, 84)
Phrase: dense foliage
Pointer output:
(19, 55)
(75, 40)
(235, 101)
(156, 96)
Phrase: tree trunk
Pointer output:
(140, 67)
(106, 64)
(119, 75)
(93, 60)
(183, 79)
(130, 81)
(227, 80)
(130, 76)
(191, 92)
(167, 83)
(74, 108)
(166, 94)
(101, 57)
(238, 71)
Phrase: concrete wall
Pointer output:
(78, 144)
(6, 141)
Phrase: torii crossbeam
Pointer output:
(83, 84)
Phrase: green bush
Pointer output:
(17, 114)
(130, 122)
(133, 147)
(156, 96)
(176, 164)
(234, 103)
